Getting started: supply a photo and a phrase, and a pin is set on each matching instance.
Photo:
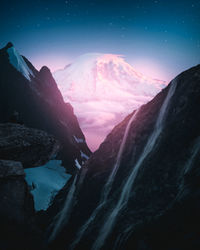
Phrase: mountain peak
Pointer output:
(9, 45)
(94, 75)
(18, 62)
(103, 89)
(45, 69)
(46, 72)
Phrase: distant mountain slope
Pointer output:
(32, 97)
(103, 89)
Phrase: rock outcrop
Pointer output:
(31, 147)
(21, 147)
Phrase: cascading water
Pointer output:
(122, 237)
(189, 164)
(107, 188)
(108, 184)
(65, 212)
(195, 151)
(124, 197)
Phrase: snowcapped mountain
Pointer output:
(18, 62)
(103, 89)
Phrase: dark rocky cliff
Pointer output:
(20, 147)
(163, 201)
(36, 101)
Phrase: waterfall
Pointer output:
(64, 214)
(123, 236)
(195, 151)
(188, 166)
(107, 188)
(124, 196)
(111, 178)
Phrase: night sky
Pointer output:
(158, 37)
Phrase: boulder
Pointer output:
(17, 215)
(31, 147)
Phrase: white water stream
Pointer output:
(125, 194)
(65, 212)
(107, 188)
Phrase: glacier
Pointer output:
(18, 62)
(45, 182)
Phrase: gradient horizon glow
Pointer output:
(161, 35)
(158, 38)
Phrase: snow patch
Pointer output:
(79, 140)
(84, 155)
(63, 123)
(45, 182)
(18, 62)
(77, 164)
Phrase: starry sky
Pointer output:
(160, 38)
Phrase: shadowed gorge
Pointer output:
(155, 159)
(141, 179)
(100, 125)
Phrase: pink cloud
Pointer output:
(103, 89)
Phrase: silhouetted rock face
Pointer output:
(17, 228)
(164, 198)
(20, 147)
(35, 97)
(9, 45)
(11, 168)
(13, 191)
(31, 147)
